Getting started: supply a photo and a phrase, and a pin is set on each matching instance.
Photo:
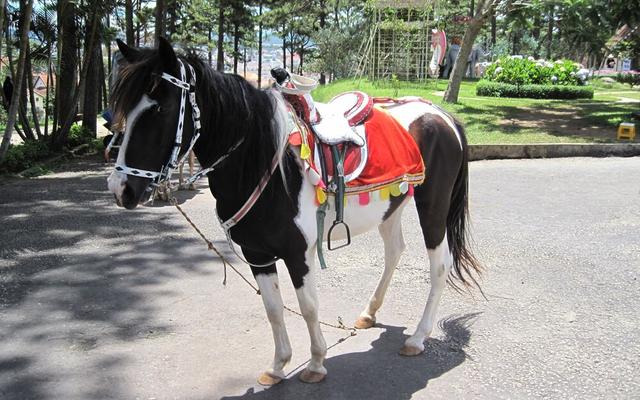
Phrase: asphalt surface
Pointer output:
(98, 303)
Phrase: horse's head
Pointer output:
(151, 100)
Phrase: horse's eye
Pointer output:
(159, 109)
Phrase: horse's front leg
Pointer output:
(267, 279)
(301, 268)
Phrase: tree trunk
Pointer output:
(537, 26)
(22, 107)
(15, 97)
(62, 134)
(236, 46)
(172, 17)
(550, 32)
(322, 17)
(32, 96)
(284, 46)
(47, 97)
(160, 12)
(103, 102)
(128, 22)
(291, 54)
(3, 13)
(483, 11)
(220, 60)
(494, 25)
(209, 52)
(259, 46)
(244, 61)
(92, 86)
(300, 66)
(67, 81)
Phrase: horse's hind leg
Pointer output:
(391, 232)
(441, 261)
(267, 280)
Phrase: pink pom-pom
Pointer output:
(363, 198)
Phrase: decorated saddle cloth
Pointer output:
(387, 163)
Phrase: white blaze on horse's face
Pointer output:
(117, 180)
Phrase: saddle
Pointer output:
(338, 142)
(348, 146)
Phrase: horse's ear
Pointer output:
(167, 55)
(129, 53)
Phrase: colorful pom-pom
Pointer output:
(363, 198)
(404, 187)
(295, 139)
(305, 151)
(395, 190)
(321, 196)
(384, 193)
(410, 191)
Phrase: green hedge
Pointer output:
(497, 89)
(631, 79)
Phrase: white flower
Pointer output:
(554, 78)
(498, 70)
(558, 61)
(530, 58)
(562, 69)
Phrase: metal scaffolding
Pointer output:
(399, 41)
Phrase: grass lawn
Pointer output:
(504, 120)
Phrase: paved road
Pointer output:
(99, 303)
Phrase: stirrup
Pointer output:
(346, 227)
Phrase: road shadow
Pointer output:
(380, 372)
(78, 274)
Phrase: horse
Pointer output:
(241, 134)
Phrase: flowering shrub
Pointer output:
(522, 71)
(499, 89)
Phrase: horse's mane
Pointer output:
(231, 109)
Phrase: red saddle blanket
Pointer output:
(392, 155)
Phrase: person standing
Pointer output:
(452, 54)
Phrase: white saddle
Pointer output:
(340, 117)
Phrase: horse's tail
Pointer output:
(466, 268)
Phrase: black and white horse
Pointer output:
(243, 132)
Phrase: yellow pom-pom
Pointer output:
(395, 190)
(321, 195)
(384, 193)
(305, 151)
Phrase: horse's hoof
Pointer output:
(192, 186)
(266, 379)
(410, 351)
(365, 322)
(308, 376)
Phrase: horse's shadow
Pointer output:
(381, 372)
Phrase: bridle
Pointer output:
(164, 175)
(187, 87)
(165, 172)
